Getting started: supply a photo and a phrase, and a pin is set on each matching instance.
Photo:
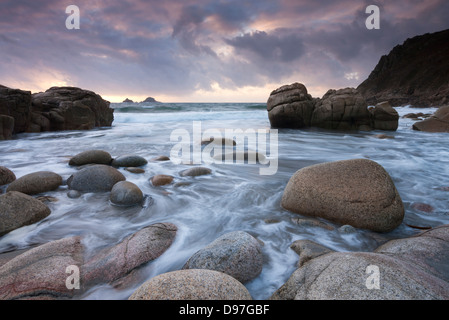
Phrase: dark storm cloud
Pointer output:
(177, 47)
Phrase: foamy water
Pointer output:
(234, 197)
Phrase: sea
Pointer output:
(235, 197)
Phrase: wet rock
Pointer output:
(135, 170)
(311, 223)
(40, 273)
(237, 254)
(95, 178)
(161, 180)
(125, 193)
(36, 182)
(308, 250)
(383, 136)
(414, 268)
(219, 141)
(6, 176)
(357, 192)
(129, 161)
(194, 172)
(135, 250)
(192, 284)
(161, 158)
(438, 122)
(91, 157)
(423, 207)
(18, 209)
(6, 127)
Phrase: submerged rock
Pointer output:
(18, 209)
(194, 172)
(192, 284)
(95, 178)
(357, 192)
(237, 254)
(36, 182)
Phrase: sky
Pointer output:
(203, 50)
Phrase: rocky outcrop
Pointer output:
(413, 268)
(16, 103)
(292, 107)
(237, 254)
(356, 192)
(58, 108)
(192, 284)
(438, 122)
(414, 73)
(18, 209)
(71, 108)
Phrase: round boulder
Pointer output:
(96, 178)
(356, 192)
(36, 182)
(237, 254)
(6, 176)
(91, 156)
(18, 209)
(129, 161)
(192, 284)
(126, 193)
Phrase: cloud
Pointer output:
(183, 48)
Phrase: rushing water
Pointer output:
(234, 197)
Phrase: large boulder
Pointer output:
(290, 106)
(237, 254)
(192, 284)
(36, 182)
(41, 273)
(116, 262)
(18, 209)
(71, 108)
(95, 178)
(357, 192)
(343, 109)
(438, 122)
(6, 127)
(16, 104)
(414, 268)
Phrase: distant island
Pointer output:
(147, 100)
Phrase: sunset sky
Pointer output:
(203, 50)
